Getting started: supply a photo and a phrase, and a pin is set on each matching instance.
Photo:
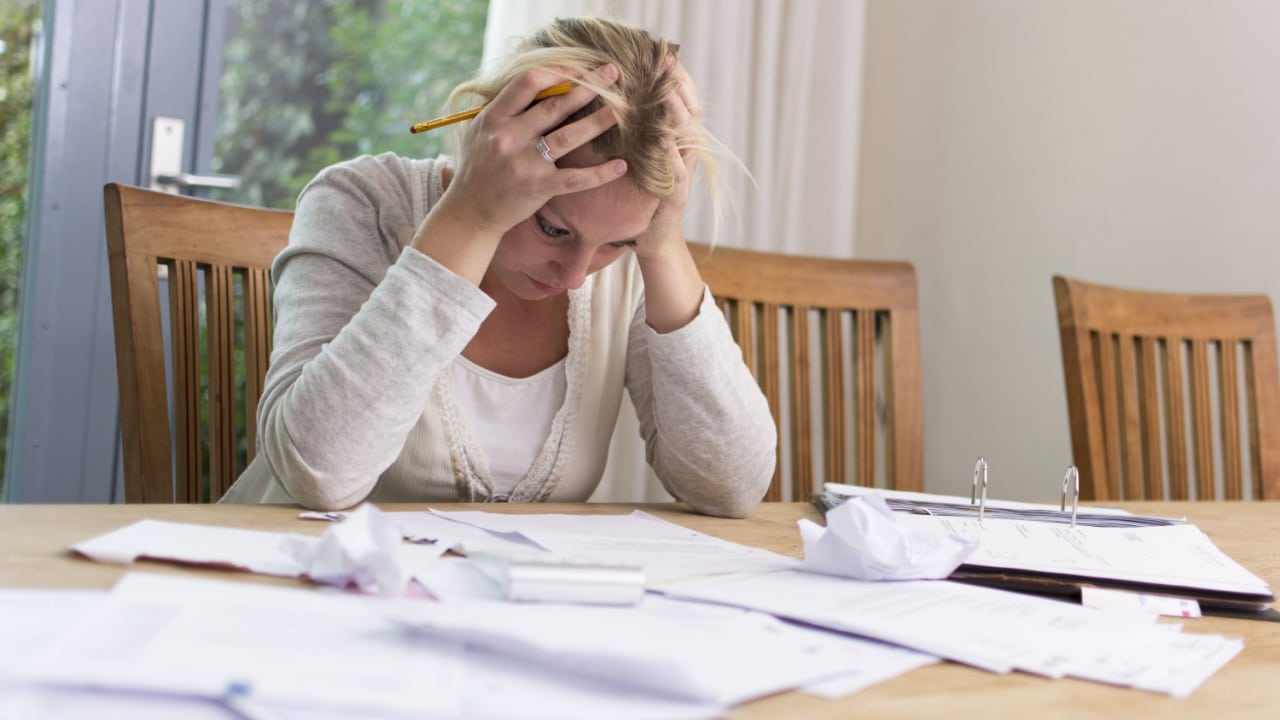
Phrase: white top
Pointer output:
(490, 401)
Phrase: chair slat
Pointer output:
(865, 356)
(1252, 404)
(901, 397)
(1149, 399)
(1130, 421)
(801, 389)
(1175, 419)
(743, 312)
(1229, 411)
(257, 337)
(220, 307)
(1201, 419)
(184, 314)
(834, 374)
(1111, 417)
(770, 376)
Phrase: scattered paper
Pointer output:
(863, 541)
(1106, 598)
(666, 551)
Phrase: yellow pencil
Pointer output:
(552, 91)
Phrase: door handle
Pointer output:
(188, 180)
(166, 161)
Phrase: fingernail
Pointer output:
(611, 72)
(619, 167)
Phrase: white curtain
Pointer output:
(781, 87)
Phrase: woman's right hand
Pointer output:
(502, 177)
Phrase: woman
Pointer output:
(463, 332)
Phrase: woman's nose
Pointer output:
(573, 269)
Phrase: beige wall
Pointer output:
(1130, 142)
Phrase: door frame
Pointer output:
(109, 67)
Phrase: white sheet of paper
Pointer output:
(990, 629)
(438, 530)
(665, 550)
(673, 649)
(257, 551)
(288, 646)
(863, 540)
(1178, 555)
(1096, 597)
(31, 619)
(1163, 661)
(252, 550)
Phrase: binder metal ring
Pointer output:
(1071, 481)
(979, 471)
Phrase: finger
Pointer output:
(518, 94)
(683, 163)
(687, 90)
(553, 111)
(686, 134)
(576, 134)
(572, 180)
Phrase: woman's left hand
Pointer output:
(665, 230)
(673, 288)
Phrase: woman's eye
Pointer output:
(622, 244)
(548, 229)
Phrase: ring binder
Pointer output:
(1072, 474)
(979, 469)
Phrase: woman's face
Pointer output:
(572, 235)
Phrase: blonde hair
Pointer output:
(571, 48)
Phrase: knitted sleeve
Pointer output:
(708, 431)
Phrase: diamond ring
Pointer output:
(544, 150)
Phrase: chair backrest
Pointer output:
(1150, 375)
(217, 259)
(834, 344)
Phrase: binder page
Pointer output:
(1176, 555)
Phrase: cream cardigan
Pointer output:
(358, 405)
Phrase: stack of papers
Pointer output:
(721, 623)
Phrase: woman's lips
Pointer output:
(545, 288)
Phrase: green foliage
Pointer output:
(311, 82)
(18, 20)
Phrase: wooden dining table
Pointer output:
(34, 542)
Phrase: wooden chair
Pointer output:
(1132, 359)
(217, 258)
(850, 327)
